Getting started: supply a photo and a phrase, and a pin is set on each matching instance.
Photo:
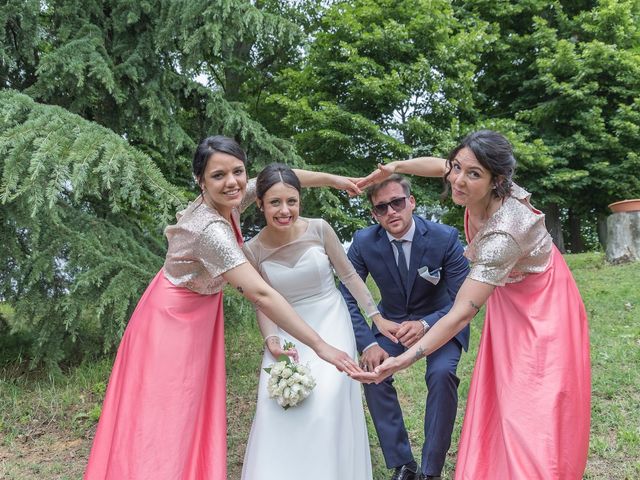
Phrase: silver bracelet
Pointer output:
(425, 326)
(270, 336)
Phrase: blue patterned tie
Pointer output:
(402, 263)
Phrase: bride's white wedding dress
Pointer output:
(324, 437)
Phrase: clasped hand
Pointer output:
(354, 186)
(409, 332)
(376, 363)
(388, 367)
(381, 173)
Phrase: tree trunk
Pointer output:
(602, 230)
(623, 243)
(575, 233)
(234, 70)
(554, 225)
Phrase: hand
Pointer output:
(386, 327)
(347, 184)
(365, 377)
(390, 366)
(273, 344)
(378, 175)
(410, 332)
(382, 371)
(372, 357)
(339, 359)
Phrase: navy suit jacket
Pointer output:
(434, 245)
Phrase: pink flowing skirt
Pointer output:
(164, 413)
(528, 411)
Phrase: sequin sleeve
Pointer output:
(495, 256)
(249, 195)
(218, 249)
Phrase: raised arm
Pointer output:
(308, 178)
(421, 166)
(253, 287)
(323, 179)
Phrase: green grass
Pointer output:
(612, 299)
(47, 422)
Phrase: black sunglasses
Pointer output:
(397, 204)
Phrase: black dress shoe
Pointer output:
(404, 473)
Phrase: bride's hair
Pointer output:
(276, 173)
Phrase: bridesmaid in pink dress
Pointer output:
(528, 410)
(164, 414)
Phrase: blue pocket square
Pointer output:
(431, 277)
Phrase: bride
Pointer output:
(325, 436)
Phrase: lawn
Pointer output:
(47, 420)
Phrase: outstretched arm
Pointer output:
(422, 166)
(323, 179)
(454, 271)
(253, 287)
(472, 295)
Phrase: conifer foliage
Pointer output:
(101, 105)
(82, 213)
(103, 101)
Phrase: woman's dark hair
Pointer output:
(276, 173)
(211, 145)
(495, 153)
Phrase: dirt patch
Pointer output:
(51, 455)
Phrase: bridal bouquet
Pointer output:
(289, 382)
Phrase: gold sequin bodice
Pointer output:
(514, 242)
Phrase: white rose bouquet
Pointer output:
(289, 382)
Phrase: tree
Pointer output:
(133, 68)
(567, 73)
(91, 172)
(81, 217)
(593, 81)
(381, 79)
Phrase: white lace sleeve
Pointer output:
(267, 326)
(250, 254)
(345, 271)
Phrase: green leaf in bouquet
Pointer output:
(267, 369)
(284, 358)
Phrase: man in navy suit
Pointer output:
(418, 266)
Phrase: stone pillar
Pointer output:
(623, 237)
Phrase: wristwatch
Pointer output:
(425, 326)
